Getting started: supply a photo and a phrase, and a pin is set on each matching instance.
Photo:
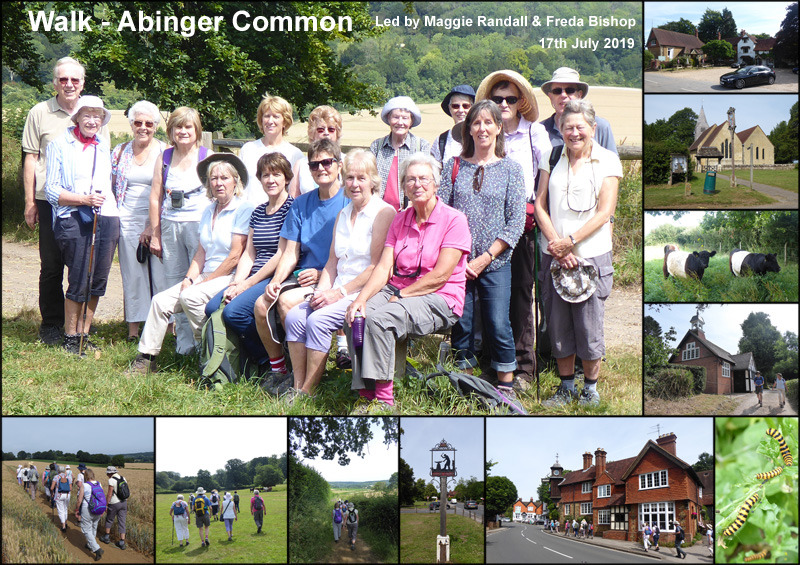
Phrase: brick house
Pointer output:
(666, 45)
(655, 486)
(751, 50)
(530, 509)
(695, 349)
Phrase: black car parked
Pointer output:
(748, 76)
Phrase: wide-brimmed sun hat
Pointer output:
(90, 102)
(350, 506)
(205, 164)
(577, 284)
(566, 75)
(402, 103)
(461, 89)
(528, 107)
(200, 490)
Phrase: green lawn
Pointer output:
(719, 285)
(418, 538)
(247, 546)
(662, 196)
(782, 178)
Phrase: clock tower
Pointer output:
(555, 479)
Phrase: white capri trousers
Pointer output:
(191, 301)
(181, 526)
(62, 506)
(135, 276)
(179, 242)
(89, 523)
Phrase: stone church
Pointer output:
(712, 147)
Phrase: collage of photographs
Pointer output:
(400, 282)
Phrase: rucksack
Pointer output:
(122, 491)
(337, 515)
(199, 506)
(178, 509)
(352, 516)
(33, 476)
(467, 385)
(63, 484)
(221, 361)
(258, 503)
(97, 501)
(214, 499)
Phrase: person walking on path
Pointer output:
(656, 535)
(215, 504)
(179, 512)
(86, 514)
(60, 488)
(780, 386)
(20, 470)
(352, 524)
(338, 518)
(236, 500)
(646, 533)
(759, 382)
(33, 479)
(679, 537)
(203, 520)
(117, 507)
(591, 530)
(229, 514)
(584, 528)
(257, 510)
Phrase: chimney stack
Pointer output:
(667, 442)
(587, 460)
(695, 33)
(600, 461)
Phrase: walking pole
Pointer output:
(536, 308)
(84, 329)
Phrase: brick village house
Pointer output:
(527, 510)
(618, 497)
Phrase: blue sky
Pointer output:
(753, 17)
(185, 445)
(765, 110)
(465, 434)
(93, 435)
(525, 448)
(723, 321)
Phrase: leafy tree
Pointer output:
(267, 476)
(681, 26)
(221, 479)
(392, 484)
(429, 492)
(759, 336)
(183, 485)
(419, 489)
(407, 490)
(705, 462)
(118, 461)
(682, 124)
(20, 54)
(205, 480)
(337, 437)
(719, 50)
(657, 350)
(715, 24)
(22, 455)
(500, 494)
(237, 474)
(163, 480)
(784, 137)
(785, 49)
(786, 356)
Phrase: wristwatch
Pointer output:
(397, 293)
(572, 239)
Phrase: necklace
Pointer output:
(145, 152)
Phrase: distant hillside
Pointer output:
(354, 484)
(141, 457)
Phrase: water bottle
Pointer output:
(358, 330)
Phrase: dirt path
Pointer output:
(748, 405)
(75, 542)
(341, 552)
(623, 318)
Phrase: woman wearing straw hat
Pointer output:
(400, 114)
(574, 209)
(566, 85)
(79, 186)
(456, 105)
(527, 143)
(224, 226)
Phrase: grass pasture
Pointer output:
(665, 197)
(247, 546)
(29, 536)
(719, 284)
(418, 538)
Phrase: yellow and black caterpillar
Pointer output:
(742, 516)
(757, 556)
(785, 453)
(774, 473)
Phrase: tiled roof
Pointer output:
(715, 349)
(676, 39)
(765, 44)
(742, 361)
(708, 134)
(613, 468)
(707, 479)
(744, 134)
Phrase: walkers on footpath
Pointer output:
(351, 519)
(117, 497)
(229, 514)
(338, 518)
(179, 512)
(201, 513)
(257, 510)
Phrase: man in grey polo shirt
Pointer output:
(46, 121)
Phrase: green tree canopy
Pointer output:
(705, 462)
(407, 491)
(337, 437)
(500, 494)
(267, 476)
(681, 26)
(716, 24)
(236, 471)
(786, 356)
(118, 461)
(205, 480)
(759, 337)
(785, 40)
(719, 50)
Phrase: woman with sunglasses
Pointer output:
(456, 105)
(132, 165)
(306, 234)
(417, 287)
(566, 85)
(358, 238)
(324, 122)
(574, 210)
(487, 187)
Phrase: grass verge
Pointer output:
(418, 538)
(663, 196)
(698, 405)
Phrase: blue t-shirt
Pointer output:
(266, 232)
(208, 503)
(759, 380)
(310, 222)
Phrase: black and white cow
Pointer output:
(745, 263)
(682, 264)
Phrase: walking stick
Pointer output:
(84, 329)
(536, 308)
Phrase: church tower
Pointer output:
(702, 124)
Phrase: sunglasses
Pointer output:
(138, 124)
(329, 129)
(413, 275)
(511, 100)
(464, 106)
(569, 90)
(477, 180)
(65, 80)
(326, 164)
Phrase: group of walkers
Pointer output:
(345, 512)
(205, 506)
(779, 385)
(413, 237)
(582, 529)
(92, 502)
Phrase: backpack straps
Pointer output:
(442, 143)
(555, 157)
(166, 162)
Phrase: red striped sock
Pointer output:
(278, 364)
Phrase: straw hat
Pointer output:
(565, 75)
(529, 111)
(577, 284)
